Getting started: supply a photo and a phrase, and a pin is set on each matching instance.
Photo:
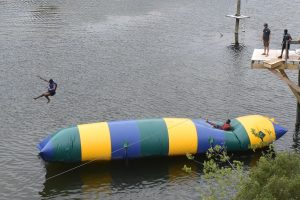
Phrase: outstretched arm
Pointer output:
(210, 123)
(43, 79)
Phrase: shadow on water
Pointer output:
(296, 140)
(42, 11)
(238, 53)
(236, 48)
(113, 176)
(46, 16)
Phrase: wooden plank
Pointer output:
(297, 94)
(257, 60)
(260, 65)
(273, 54)
(273, 63)
(285, 79)
(238, 16)
(295, 42)
(283, 76)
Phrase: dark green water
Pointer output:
(130, 59)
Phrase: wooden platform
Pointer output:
(259, 61)
(238, 16)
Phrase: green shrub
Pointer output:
(273, 178)
(221, 177)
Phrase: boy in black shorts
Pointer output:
(51, 89)
(266, 39)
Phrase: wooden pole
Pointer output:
(298, 108)
(237, 23)
(286, 52)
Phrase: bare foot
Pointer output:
(263, 54)
(267, 55)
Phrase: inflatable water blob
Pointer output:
(155, 137)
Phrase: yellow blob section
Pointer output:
(182, 136)
(95, 141)
(259, 129)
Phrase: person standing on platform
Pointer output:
(286, 40)
(298, 50)
(266, 39)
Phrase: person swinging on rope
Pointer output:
(51, 89)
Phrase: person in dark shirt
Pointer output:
(226, 126)
(51, 89)
(266, 39)
(298, 50)
(285, 40)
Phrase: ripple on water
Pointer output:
(129, 59)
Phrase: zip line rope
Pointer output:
(132, 144)
(91, 161)
(146, 138)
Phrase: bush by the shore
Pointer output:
(273, 178)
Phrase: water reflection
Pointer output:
(47, 15)
(236, 48)
(108, 178)
(128, 57)
(44, 11)
(296, 140)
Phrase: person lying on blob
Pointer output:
(226, 126)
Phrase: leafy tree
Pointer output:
(276, 176)
(273, 178)
(221, 177)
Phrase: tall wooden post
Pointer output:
(298, 108)
(286, 52)
(237, 17)
(237, 23)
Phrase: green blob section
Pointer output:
(241, 136)
(231, 142)
(66, 145)
(154, 137)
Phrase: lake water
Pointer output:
(130, 59)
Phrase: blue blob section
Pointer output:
(279, 130)
(208, 136)
(125, 133)
(43, 143)
(47, 152)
